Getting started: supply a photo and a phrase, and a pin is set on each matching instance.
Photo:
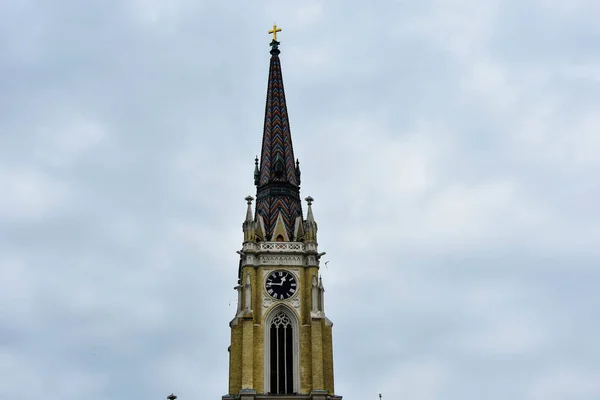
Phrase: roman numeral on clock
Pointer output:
(281, 284)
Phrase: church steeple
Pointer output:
(278, 202)
(281, 338)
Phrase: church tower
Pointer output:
(281, 339)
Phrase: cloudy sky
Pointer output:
(452, 148)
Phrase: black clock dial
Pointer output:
(281, 284)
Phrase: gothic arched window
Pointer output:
(281, 355)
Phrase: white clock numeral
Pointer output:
(292, 290)
(268, 284)
(280, 273)
(293, 283)
(270, 291)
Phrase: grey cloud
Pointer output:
(127, 137)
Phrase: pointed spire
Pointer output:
(310, 225)
(298, 171)
(249, 211)
(249, 226)
(248, 294)
(277, 139)
(321, 295)
(309, 213)
(277, 178)
(315, 295)
(256, 172)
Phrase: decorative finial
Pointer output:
(309, 200)
(256, 172)
(171, 397)
(274, 43)
(248, 216)
(298, 174)
(274, 32)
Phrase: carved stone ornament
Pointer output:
(248, 293)
(238, 289)
(312, 260)
(281, 260)
(281, 246)
(268, 302)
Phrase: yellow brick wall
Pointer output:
(317, 354)
(247, 340)
(248, 354)
(259, 358)
(327, 357)
(235, 360)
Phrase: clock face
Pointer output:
(281, 284)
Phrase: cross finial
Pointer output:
(171, 397)
(274, 31)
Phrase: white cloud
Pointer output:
(319, 57)
(488, 81)
(405, 183)
(29, 193)
(513, 334)
(439, 153)
(18, 292)
(575, 9)
(567, 384)
(422, 379)
(307, 13)
(21, 372)
(586, 72)
(460, 27)
(158, 13)
(559, 140)
(65, 141)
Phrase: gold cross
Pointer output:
(274, 31)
